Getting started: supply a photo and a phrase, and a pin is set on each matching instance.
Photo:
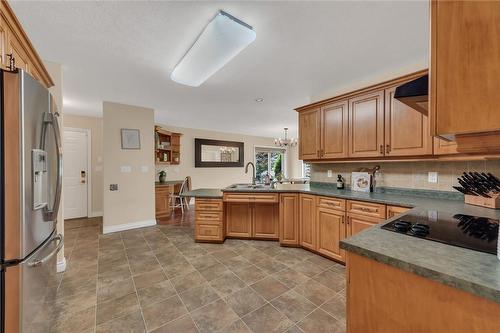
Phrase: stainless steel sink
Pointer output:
(248, 186)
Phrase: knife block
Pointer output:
(476, 200)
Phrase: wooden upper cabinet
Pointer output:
(330, 231)
(21, 58)
(465, 67)
(265, 221)
(366, 125)
(406, 130)
(308, 221)
(444, 147)
(334, 129)
(309, 134)
(289, 219)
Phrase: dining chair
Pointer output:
(177, 196)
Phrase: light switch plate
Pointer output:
(432, 177)
(329, 173)
(126, 169)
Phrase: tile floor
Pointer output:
(158, 279)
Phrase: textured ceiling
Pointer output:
(124, 52)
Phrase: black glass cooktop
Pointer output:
(471, 232)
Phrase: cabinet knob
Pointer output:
(387, 149)
(381, 149)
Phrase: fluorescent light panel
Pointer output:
(221, 40)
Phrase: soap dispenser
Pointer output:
(340, 182)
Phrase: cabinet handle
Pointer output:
(387, 149)
(364, 209)
(318, 153)
(342, 220)
(381, 149)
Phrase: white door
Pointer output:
(75, 173)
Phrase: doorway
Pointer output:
(76, 149)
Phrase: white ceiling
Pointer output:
(124, 52)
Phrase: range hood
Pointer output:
(415, 94)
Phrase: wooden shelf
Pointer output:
(170, 155)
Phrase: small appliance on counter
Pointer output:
(340, 182)
(480, 189)
(472, 232)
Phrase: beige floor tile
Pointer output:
(115, 290)
(269, 288)
(117, 308)
(227, 284)
(147, 279)
(290, 277)
(237, 327)
(267, 319)
(244, 301)
(155, 293)
(76, 322)
(331, 279)
(130, 323)
(213, 272)
(213, 317)
(190, 280)
(295, 306)
(158, 314)
(250, 274)
(182, 325)
(336, 307)
(308, 268)
(321, 322)
(200, 296)
(315, 292)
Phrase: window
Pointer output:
(306, 170)
(269, 161)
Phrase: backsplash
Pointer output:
(413, 175)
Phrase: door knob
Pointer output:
(83, 176)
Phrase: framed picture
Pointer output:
(131, 138)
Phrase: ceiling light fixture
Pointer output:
(221, 40)
(260, 99)
(285, 142)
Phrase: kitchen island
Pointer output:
(417, 278)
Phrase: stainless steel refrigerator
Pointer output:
(30, 191)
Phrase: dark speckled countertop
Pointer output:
(169, 182)
(471, 271)
(205, 193)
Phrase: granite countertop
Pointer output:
(169, 182)
(471, 271)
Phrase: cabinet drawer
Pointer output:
(366, 209)
(208, 204)
(208, 217)
(396, 210)
(164, 189)
(331, 203)
(251, 197)
(208, 232)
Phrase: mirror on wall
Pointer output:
(217, 153)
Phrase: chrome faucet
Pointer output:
(253, 174)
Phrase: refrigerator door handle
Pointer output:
(38, 262)
(51, 118)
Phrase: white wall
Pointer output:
(219, 177)
(133, 205)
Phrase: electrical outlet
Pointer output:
(126, 169)
(329, 174)
(432, 177)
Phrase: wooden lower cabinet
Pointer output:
(162, 200)
(357, 223)
(252, 220)
(265, 221)
(289, 219)
(331, 229)
(239, 219)
(307, 213)
(384, 299)
(209, 220)
(396, 210)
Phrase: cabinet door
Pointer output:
(162, 202)
(331, 230)
(356, 223)
(465, 66)
(406, 130)
(239, 220)
(366, 125)
(289, 219)
(309, 134)
(334, 126)
(20, 56)
(444, 147)
(265, 221)
(308, 221)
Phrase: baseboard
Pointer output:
(61, 265)
(128, 226)
(95, 214)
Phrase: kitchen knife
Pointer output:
(463, 190)
(467, 187)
